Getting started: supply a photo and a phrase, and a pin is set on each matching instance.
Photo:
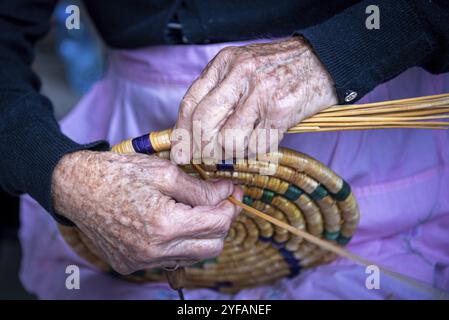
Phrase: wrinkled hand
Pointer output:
(142, 212)
(260, 86)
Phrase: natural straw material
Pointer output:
(330, 246)
(297, 218)
(420, 113)
(302, 193)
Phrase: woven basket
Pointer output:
(302, 192)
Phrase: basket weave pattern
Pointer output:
(302, 192)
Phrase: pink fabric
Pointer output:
(400, 178)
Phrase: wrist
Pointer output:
(318, 90)
(320, 82)
(64, 181)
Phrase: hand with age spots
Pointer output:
(140, 211)
(260, 86)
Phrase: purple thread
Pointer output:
(142, 144)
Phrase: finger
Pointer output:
(195, 249)
(237, 194)
(209, 78)
(197, 91)
(265, 138)
(202, 222)
(195, 192)
(219, 103)
(213, 111)
(237, 129)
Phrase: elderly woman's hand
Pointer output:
(140, 211)
(260, 86)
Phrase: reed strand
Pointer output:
(428, 112)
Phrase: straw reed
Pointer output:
(300, 217)
(428, 112)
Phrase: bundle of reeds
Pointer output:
(426, 112)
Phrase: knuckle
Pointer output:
(158, 230)
(169, 173)
(227, 53)
(215, 248)
(164, 230)
(187, 104)
(244, 61)
(242, 69)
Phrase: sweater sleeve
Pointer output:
(411, 33)
(31, 141)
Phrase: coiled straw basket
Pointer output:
(303, 197)
(302, 192)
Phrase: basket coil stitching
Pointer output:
(302, 192)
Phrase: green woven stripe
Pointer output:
(267, 196)
(319, 193)
(211, 261)
(331, 235)
(157, 271)
(343, 193)
(293, 192)
(343, 240)
(248, 200)
(200, 264)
